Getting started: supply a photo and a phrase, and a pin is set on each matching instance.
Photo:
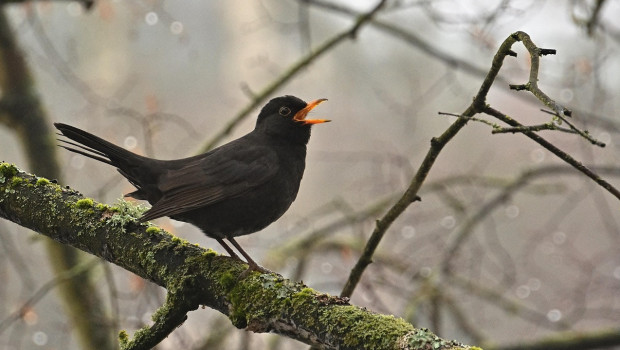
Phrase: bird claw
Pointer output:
(235, 256)
(254, 267)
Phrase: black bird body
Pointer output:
(245, 188)
(233, 190)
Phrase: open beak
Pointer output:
(301, 115)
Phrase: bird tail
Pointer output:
(132, 166)
(93, 146)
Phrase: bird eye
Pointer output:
(284, 111)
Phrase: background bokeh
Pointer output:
(162, 78)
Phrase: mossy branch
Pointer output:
(196, 276)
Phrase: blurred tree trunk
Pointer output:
(22, 111)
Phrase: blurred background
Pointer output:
(509, 245)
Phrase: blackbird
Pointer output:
(233, 190)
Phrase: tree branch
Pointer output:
(555, 150)
(196, 276)
(437, 144)
(479, 105)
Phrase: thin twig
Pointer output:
(553, 149)
(437, 144)
(532, 84)
(473, 119)
(539, 127)
(585, 134)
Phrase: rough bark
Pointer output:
(196, 276)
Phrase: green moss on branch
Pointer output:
(196, 276)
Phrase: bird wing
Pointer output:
(224, 173)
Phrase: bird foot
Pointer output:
(235, 256)
(254, 267)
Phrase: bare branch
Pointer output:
(437, 143)
(555, 150)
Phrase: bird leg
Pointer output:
(253, 265)
(228, 249)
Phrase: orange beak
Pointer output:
(302, 114)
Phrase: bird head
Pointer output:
(287, 116)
